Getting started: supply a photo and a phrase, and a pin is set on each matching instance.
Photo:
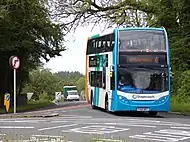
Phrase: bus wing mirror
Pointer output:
(112, 68)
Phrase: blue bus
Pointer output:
(128, 69)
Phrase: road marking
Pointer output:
(164, 135)
(63, 126)
(135, 125)
(109, 140)
(2, 134)
(174, 132)
(15, 127)
(47, 138)
(97, 129)
(58, 121)
(22, 121)
(186, 128)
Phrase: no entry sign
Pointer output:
(14, 62)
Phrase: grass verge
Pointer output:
(31, 105)
(180, 106)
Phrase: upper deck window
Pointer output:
(142, 40)
(101, 44)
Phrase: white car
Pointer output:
(73, 95)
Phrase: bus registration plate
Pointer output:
(142, 109)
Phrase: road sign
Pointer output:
(7, 101)
(14, 62)
(57, 95)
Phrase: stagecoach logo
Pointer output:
(142, 97)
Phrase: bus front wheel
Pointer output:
(91, 101)
(106, 104)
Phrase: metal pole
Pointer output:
(14, 91)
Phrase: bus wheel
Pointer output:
(153, 113)
(106, 104)
(91, 101)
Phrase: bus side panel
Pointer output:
(86, 82)
(114, 63)
(168, 60)
(96, 89)
(103, 92)
(98, 93)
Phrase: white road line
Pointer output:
(112, 140)
(2, 134)
(174, 132)
(186, 128)
(95, 129)
(63, 126)
(21, 121)
(144, 138)
(58, 121)
(164, 135)
(150, 133)
(135, 125)
(15, 127)
(49, 136)
(146, 126)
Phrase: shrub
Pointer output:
(181, 86)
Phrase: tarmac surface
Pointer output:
(79, 123)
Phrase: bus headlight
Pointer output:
(123, 99)
(163, 99)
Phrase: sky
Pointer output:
(73, 59)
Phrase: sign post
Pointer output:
(14, 63)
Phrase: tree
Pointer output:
(83, 12)
(81, 84)
(171, 14)
(70, 78)
(26, 31)
(43, 82)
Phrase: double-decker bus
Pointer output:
(128, 70)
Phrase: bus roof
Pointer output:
(111, 30)
(106, 32)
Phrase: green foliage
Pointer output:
(44, 84)
(44, 96)
(81, 84)
(179, 105)
(69, 78)
(173, 15)
(183, 86)
(26, 31)
(31, 105)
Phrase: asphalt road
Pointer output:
(81, 124)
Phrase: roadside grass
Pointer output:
(31, 105)
(177, 105)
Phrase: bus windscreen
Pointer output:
(142, 40)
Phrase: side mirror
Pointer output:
(111, 68)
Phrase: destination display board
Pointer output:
(143, 59)
(98, 61)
